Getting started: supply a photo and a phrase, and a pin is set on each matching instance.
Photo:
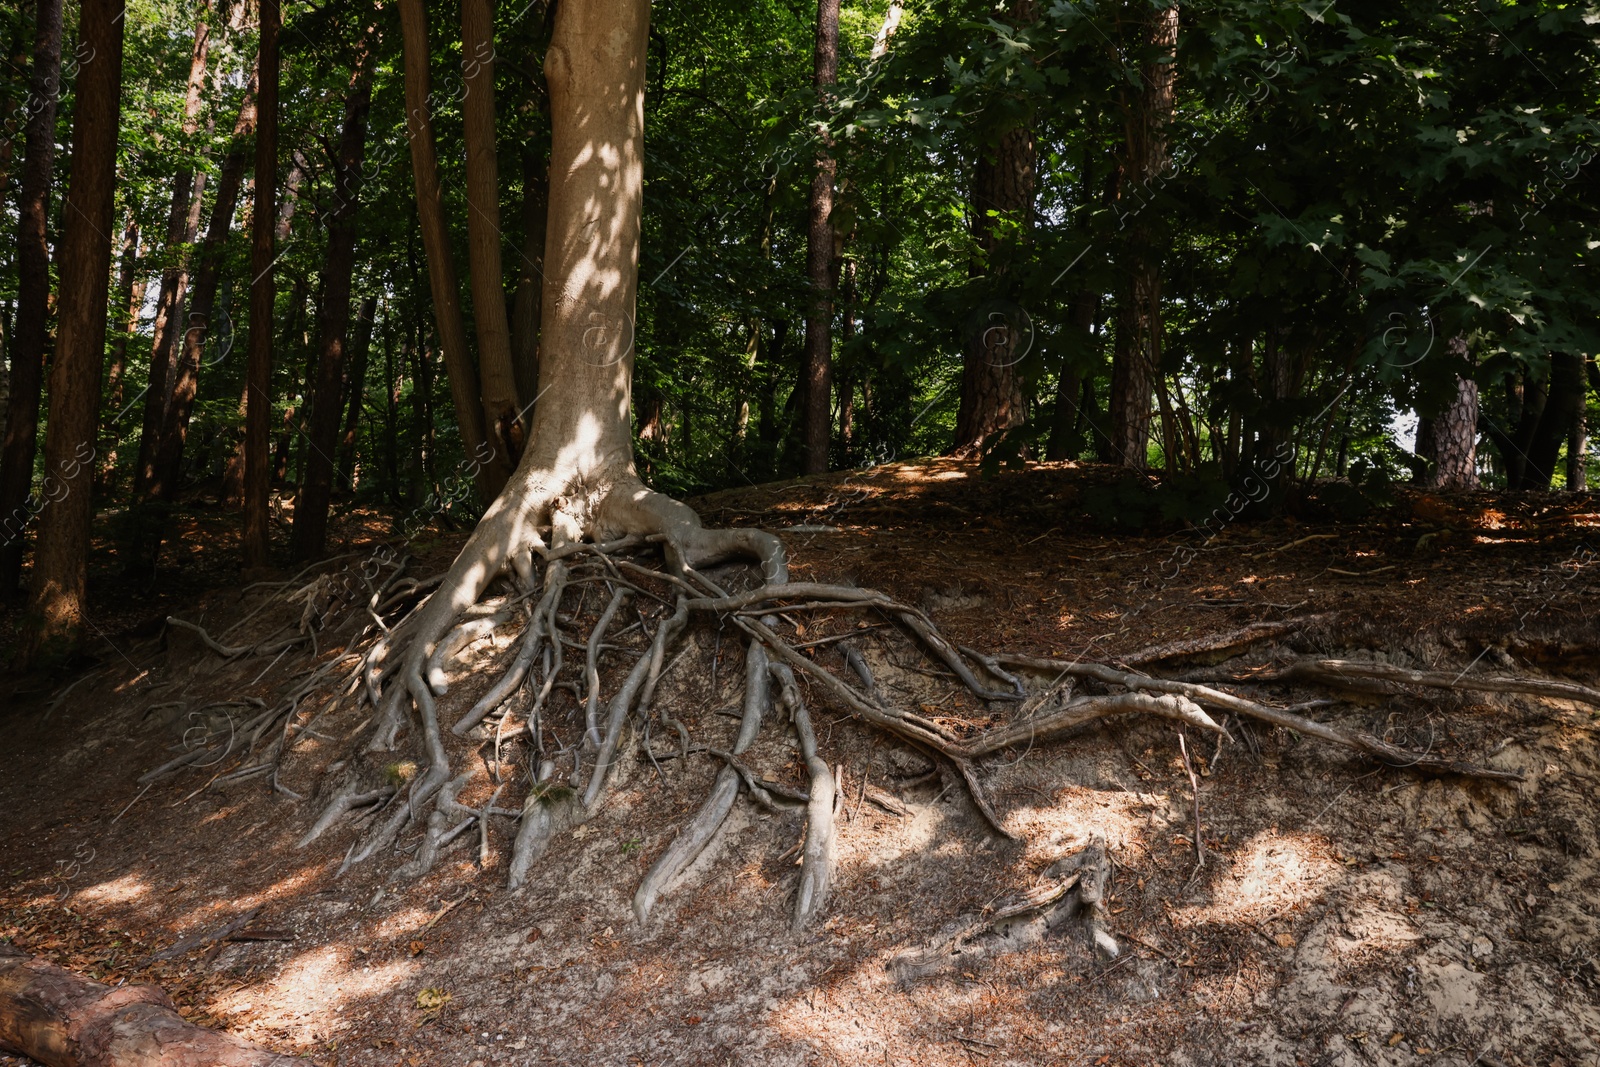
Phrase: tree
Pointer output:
(502, 414)
(816, 374)
(183, 221)
(1136, 367)
(327, 399)
(263, 291)
(997, 337)
(442, 284)
(202, 302)
(30, 336)
(54, 625)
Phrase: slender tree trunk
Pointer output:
(1562, 408)
(1577, 456)
(816, 374)
(175, 428)
(55, 614)
(502, 417)
(327, 400)
(1137, 359)
(30, 337)
(355, 389)
(530, 275)
(233, 472)
(130, 295)
(14, 78)
(258, 372)
(1065, 436)
(463, 375)
(182, 219)
(391, 414)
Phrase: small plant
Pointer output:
(632, 845)
(400, 773)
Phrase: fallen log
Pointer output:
(62, 1020)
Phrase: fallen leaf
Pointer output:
(691, 1020)
(416, 948)
(1284, 941)
(1396, 1039)
(534, 935)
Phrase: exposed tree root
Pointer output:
(1342, 671)
(574, 566)
(1073, 888)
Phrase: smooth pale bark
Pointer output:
(816, 369)
(30, 335)
(502, 416)
(202, 300)
(355, 388)
(1137, 357)
(327, 398)
(55, 614)
(442, 283)
(182, 220)
(258, 370)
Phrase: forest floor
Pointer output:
(1347, 913)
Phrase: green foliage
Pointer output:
(1362, 202)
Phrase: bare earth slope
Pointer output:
(1346, 913)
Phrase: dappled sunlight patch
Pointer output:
(1272, 874)
(124, 890)
(312, 985)
(864, 1016)
(1080, 815)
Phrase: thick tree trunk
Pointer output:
(61, 1020)
(175, 425)
(816, 373)
(1002, 201)
(1453, 437)
(1137, 359)
(182, 220)
(595, 70)
(258, 371)
(502, 415)
(30, 336)
(61, 563)
(355, 389)
(327, 399)
(463, 374)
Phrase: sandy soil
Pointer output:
(1346, 913)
